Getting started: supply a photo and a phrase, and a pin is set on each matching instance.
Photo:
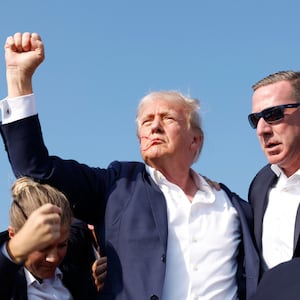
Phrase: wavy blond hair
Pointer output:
(28, 195)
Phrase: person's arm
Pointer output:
(99, 267)
(40, 230)
(212, 184)
(78, 262)
(8, 272)
(8, 269)
(99, 271)
(23, 139)
(23, 54)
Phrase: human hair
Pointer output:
(191, 107)
(28, 195)
(291, 76)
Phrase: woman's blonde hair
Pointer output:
(28, 195)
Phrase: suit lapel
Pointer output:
(159, 208)
(261, 196)
(296, 234)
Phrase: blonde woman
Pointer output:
(35, 245)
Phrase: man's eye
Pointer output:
(146, 122)
(169, 118)
(62, 245)
(45, 249)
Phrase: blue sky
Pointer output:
(103, 56)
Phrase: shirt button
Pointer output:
(163, 258)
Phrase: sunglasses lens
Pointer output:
(273, 114)
(270, 115)
(253, 120)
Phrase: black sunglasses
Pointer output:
(270, 115)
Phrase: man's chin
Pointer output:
(47, 273)
(274, 159)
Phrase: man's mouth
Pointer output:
(149, 142)
(271, 145)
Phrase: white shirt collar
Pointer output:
(205, 193)
(283, 179)
(31, 279)
(278, 171)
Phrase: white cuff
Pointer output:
(14, 109)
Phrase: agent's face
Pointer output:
(164, 134)
(43, 263)
(280, 141)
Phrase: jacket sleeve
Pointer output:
(29, 156)
(248, 270)
(77, 264)
(8, 271)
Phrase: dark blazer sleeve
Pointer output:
(248, 269)
(281, 282)
(258, 196)
(10, 284)
(29, 156)
(77, 264)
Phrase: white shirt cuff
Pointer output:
(14, 109)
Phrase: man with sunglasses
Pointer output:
(274, 193)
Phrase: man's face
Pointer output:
(280, 141)
(43, 263)
(164, 134)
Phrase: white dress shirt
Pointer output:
(203, 240)
(279, 219)
(48, 289)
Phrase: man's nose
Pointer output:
(52, 256)
(156, 125)
(263, 127)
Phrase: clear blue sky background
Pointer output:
(103, 56)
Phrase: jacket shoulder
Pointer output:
(266, 171)
(261, 181)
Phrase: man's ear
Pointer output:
(197, 141)
(11, 231)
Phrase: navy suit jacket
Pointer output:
(128, 209)
(76, 268)
(258, 199)
(282, 281)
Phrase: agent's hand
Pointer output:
(99, 271)
(213, 184)
(41, 230)
(24, 52)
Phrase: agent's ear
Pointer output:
(11, 231)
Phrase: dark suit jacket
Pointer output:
(282, 281)
(258, 199)
(76, 268)
(128, 209)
